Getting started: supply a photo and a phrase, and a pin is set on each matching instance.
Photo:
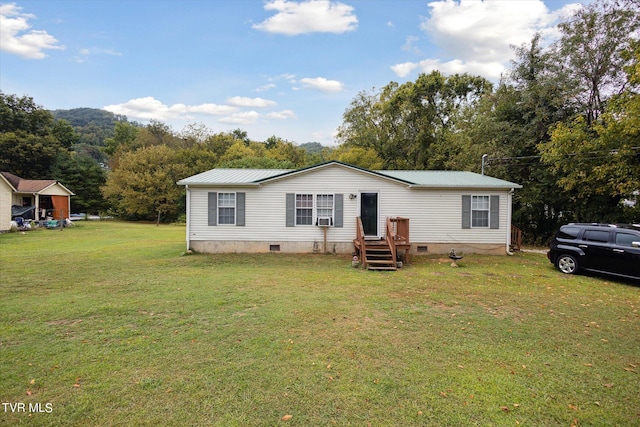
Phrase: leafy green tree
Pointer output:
(219, 143)
(144, 184)
(508, 125)
(591, 47)
(124, 136)
(30, 138)
(254, 162)
(286, 151)
(24, 115)
(84, 176)
(405, 124)
(240, 135)
(358, 156)
(598, 163)
(196, 158)
(238, 151)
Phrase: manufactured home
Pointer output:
(337, 207)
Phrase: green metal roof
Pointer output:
(232, 176)
(452, 179)
(412, 178)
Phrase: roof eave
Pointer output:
(8, 183)
(329, 163)
(463, 187)
(218, 184)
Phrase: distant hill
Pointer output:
(93, 127)
(92, 124)
(312, 147)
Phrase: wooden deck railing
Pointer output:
(516, 238)
(361, 242)
(391, 239)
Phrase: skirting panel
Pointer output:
(212, 246)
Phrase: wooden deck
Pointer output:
(383, 254)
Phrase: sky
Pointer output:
(279, 68)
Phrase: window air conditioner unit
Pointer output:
(324, 222)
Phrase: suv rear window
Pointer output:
(596, 236)
(625, 239)
(570, 233)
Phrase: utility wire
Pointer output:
(609, 153)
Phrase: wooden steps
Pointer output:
(379, 256)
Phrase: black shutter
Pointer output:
(291, 209)
(240, 211)
(339, 208)
(466, 211)
(213, 208)
(494, 212)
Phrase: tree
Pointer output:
(591, 48)
(406, 124)
(598, 163)
(144, 184)
(286, 151)
(30, 138)
(24, 115)
(511, 123)
(84, 176)
(124, 136)
(358, 156)
(219, 143)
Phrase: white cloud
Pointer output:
(311, 16)
(210, 109)
(457, 66)
(84, 54)
(241, 118)
(410, 44)
(266, 87)
(241, 101)
(404, 69)
(148, 108)
(282, 115)
(17, 37)
(477, 35)
(322, 84)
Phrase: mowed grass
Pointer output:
(107, 323)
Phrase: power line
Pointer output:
(599, 156)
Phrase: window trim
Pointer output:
(306, 208)
(314, 208)
(234, 207)
(493, 212)
(333, 207)
(477, 210)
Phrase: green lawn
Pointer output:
(107, 323)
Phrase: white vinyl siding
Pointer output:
(435, 214)
(5, 205)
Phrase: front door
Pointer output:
(369, 213)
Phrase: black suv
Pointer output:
(601, 248)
